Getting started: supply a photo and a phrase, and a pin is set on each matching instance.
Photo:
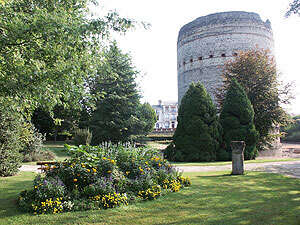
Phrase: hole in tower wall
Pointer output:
(184, 63)
(200, 58)
(211, 56)
(191, 60)
(223, 55)
(235, 54)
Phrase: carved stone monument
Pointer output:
(237, 148)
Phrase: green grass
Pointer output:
(213, 198)
(229, 162)
(58, 149)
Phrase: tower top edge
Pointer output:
(223, 18)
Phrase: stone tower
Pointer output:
(206, 43)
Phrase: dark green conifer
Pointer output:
(236, 119)
(197, 136)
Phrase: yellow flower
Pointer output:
(94, 170)
(113, 161)
(109, 171)
(88, 170)
(35, 187)
(75, 180)
(127, 172)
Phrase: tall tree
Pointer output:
(294, 8)
(115, 116)
(198, 133)
(236, 119)
(47, 49)
(146, 119)
(256, 71)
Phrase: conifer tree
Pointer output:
(236, 119)
(115, 116)
(197, 136)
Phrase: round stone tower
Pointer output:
(206, 43)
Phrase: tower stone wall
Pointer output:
(206, 43)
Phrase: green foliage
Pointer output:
(292, 130)
(63, 121)
(32, 142)
(294, 8)
(255, 71)
(101, 177)
(82, 137)
(11, 125)
(146, 119)
(236, 118)
(198, 134)
(48, 49)
(115, 116)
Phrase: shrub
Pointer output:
(236, 119)
(82, 137)
(292, 130)
(11, 123)
(39, 155)
(102, 177)
(198, 133)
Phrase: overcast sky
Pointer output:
(154, 51)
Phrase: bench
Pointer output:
(296, 151)
(46, 165)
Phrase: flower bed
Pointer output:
(102, 177)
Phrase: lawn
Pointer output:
(213, 198)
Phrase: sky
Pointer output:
(154, 51)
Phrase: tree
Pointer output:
(115, 116)
(294, 8)
(255, 71)
(197, 137)
(47, 49)
(236, 119)
(146, 119)
(11, 125)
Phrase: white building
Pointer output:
(166, 113)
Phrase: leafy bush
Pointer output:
(11, 123)
(82, 137)
(101, 177)
(32, 140)
(39, 155)
(236, 118)
(292, 130)
(198, 133)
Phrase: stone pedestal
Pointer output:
(237, 148)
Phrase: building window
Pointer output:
(211, 56)
(200, 58)
(184, 63)
(223, 55)
(173, 124)
(157, 125)
(191, 60)
(235, 54)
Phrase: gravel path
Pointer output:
(290, 168)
